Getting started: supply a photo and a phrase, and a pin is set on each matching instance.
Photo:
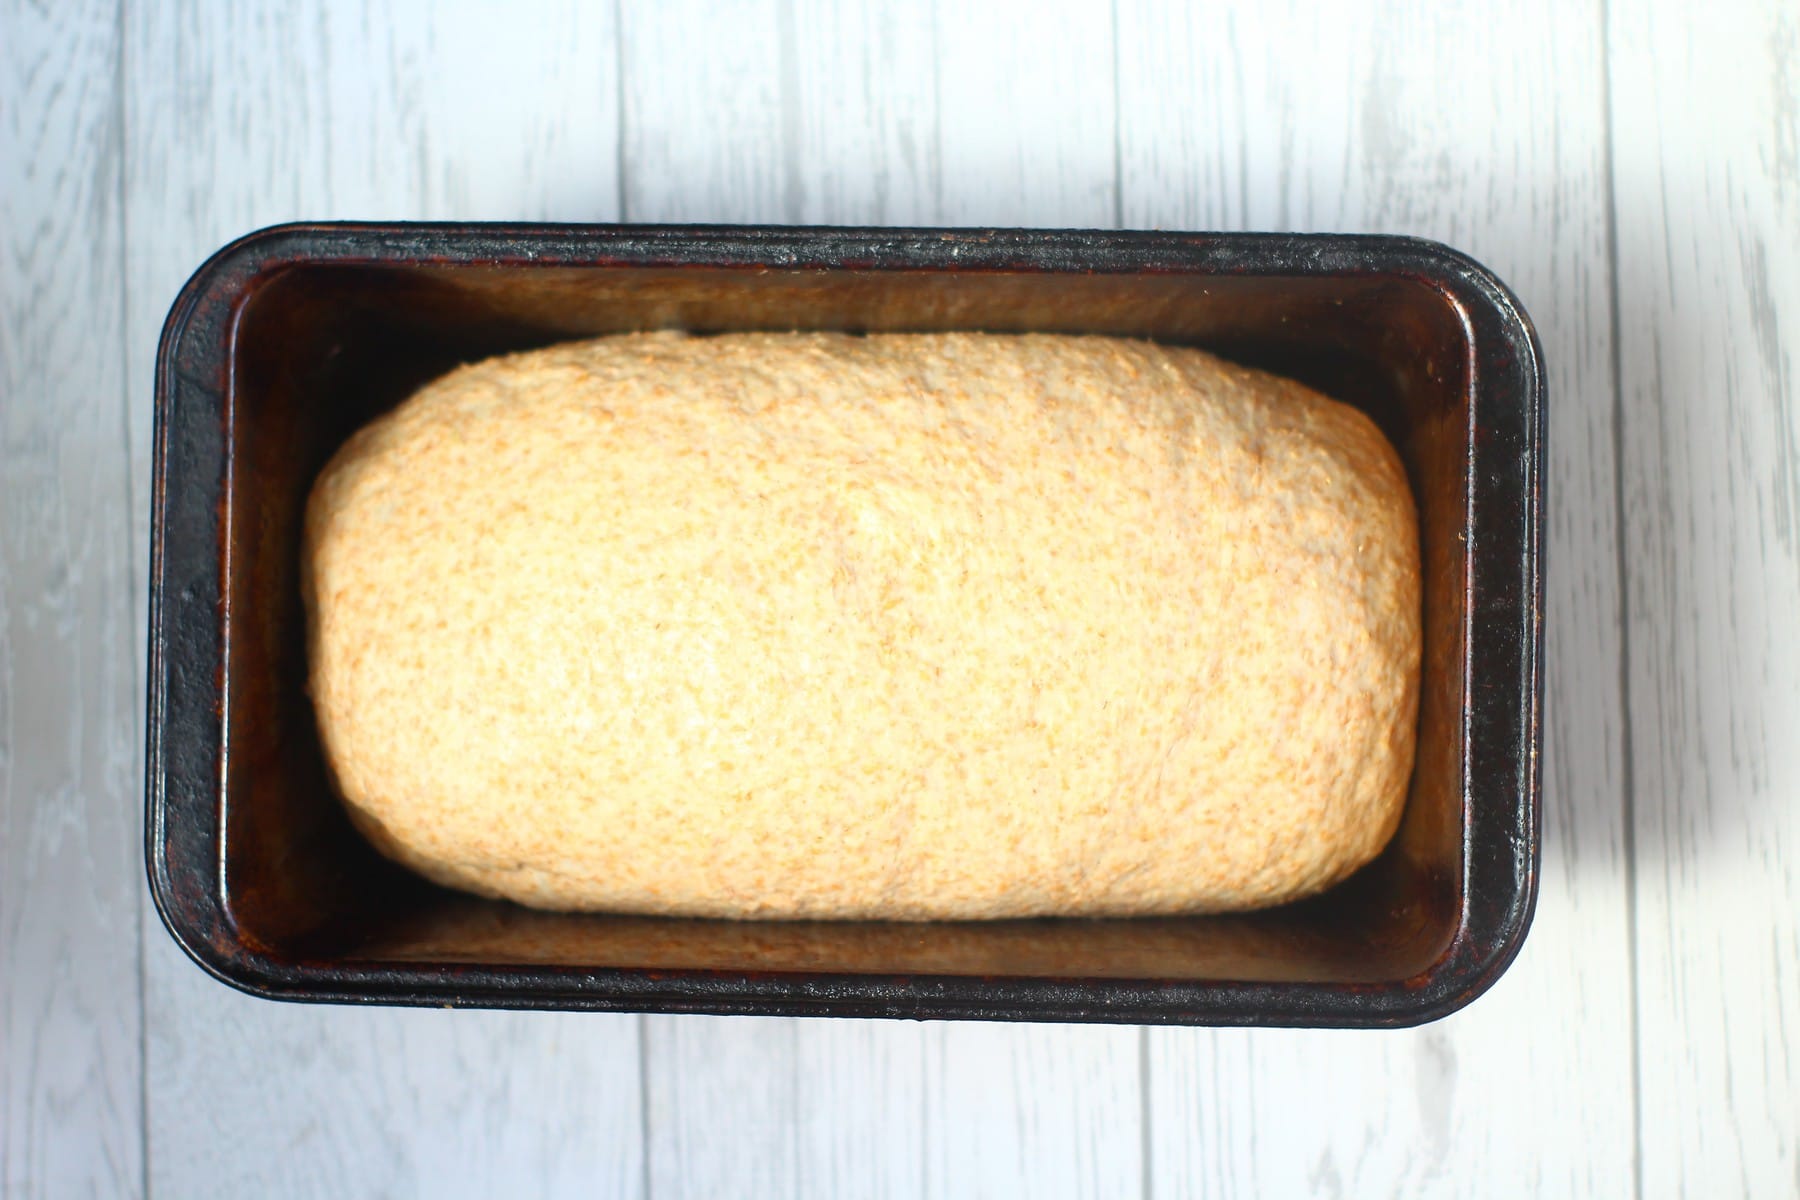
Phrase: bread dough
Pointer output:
(910, 626)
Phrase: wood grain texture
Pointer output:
(250, 1098)
(1040, 1111)
(71, 1053)
(781, 111)
(1027, 122)
(1313, 118)
(810, 111)
(1707, 174)
(722, 1098)
(861, 1120)
(240, 116)
(740, 1106)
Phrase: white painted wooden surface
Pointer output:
(1632, 168)
(70, 891)
(1706, 154)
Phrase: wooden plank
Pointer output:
(722, 1097)
(1706, 171)
(827, 113)
(250, 1098)
(71, 1052)
(243, 115)
(1027, 120)
(860, 1119)
(741, 1106)
(781, 111)
(1034, 1110)
(772, 1107)
(865, 78)
(1379, 118)
(709, 108)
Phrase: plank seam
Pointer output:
(1118, 163)
(1627, 781)
(619, 104)
(121, 176)
(1146, 1172)
(643, 1023)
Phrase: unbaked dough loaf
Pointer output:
(903, 626)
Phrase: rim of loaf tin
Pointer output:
(196, 756)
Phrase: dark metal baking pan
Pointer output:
(286, 341)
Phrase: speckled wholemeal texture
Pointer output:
(903, 626)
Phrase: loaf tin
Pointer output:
(289, 339)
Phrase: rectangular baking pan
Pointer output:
(286, 341)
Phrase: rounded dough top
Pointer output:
(907, 626)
